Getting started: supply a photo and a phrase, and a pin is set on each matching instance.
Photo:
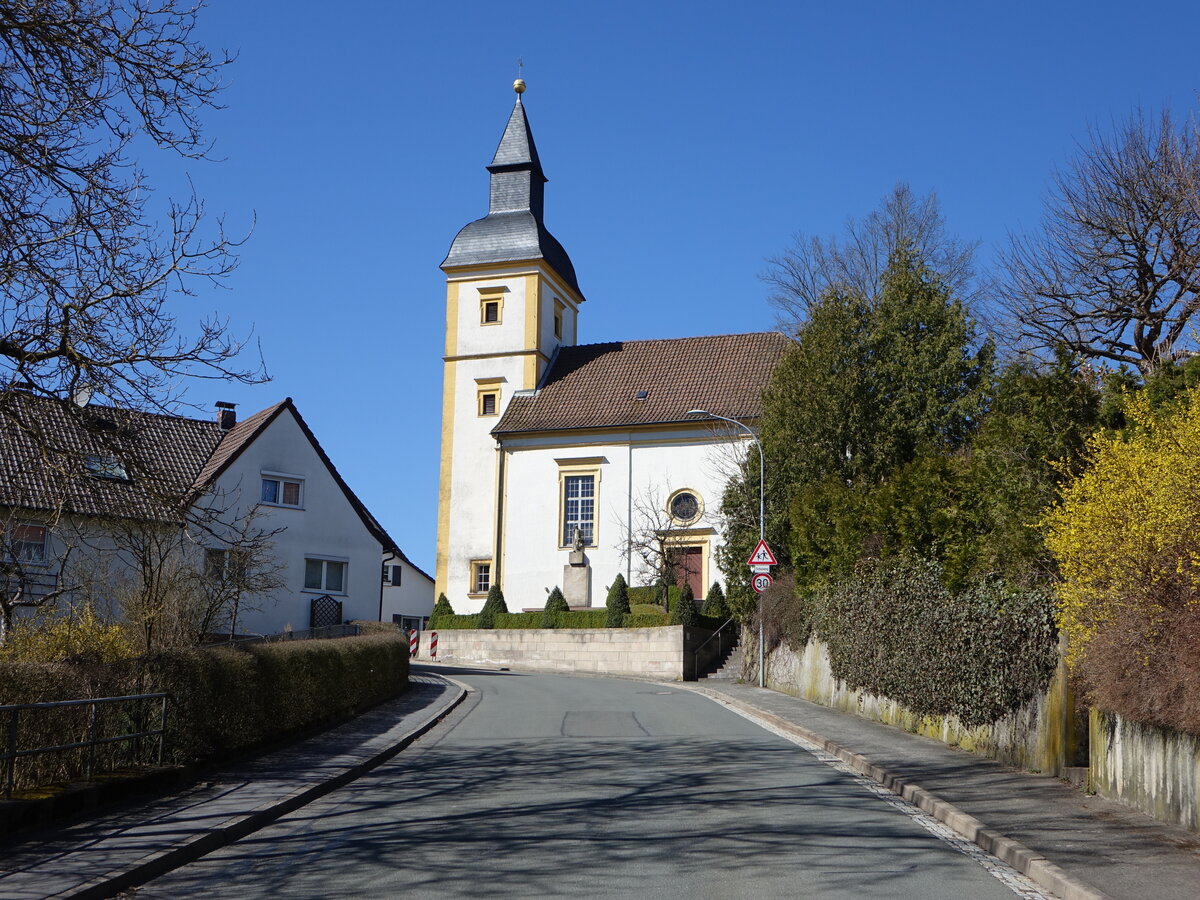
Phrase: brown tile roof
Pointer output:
(596, 385)
(45, 446)
(169, 460)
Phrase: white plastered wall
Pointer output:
(637, 472)
(472, 498)
(326, 526)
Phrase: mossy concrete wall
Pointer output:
(1152, 769)
(1038, 737)
(666, 653)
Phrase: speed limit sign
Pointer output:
(761, 582)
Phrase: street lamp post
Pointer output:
(762, 517)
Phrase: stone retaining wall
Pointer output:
(1151, 769)
(1039, 737)
(665, 653)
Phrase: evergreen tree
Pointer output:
(871, 385)
(684, 612)
(556, 603)
(618, 603)
(492, 606)
(440, 609)
(714, 603)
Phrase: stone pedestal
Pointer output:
(577, 585)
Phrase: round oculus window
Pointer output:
(684, 506)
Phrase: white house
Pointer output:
(407, 592)
(546, 441)
(257, 506)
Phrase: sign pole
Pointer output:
(762, 519)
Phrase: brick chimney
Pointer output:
(226, 414)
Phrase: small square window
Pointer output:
(491, 312)
(28, 543)
(327, 575)
(481, 576)
(282, 492)
(487, 403)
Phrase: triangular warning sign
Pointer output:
(762, 556)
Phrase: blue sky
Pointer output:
(684, 142)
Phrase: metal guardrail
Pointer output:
(12, 754)
(720, 645)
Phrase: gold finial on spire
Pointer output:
(519, 84)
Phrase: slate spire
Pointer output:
(517, 176)
(513, 230)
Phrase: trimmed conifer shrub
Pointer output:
(440, 609)
(618, 603)
(493, 605)
(556, 603)
(714, 603)
(684, 612)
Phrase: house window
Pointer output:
(391, 575)
(105, 467)
(28, 543)
(282, 491)
(220, 564)
(558, 319)
(488, 402)
(481, 576)
(579, 508)
(328, 575)
(214, 564)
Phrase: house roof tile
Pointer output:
(599, 385)
(45, 446)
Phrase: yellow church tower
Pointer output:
(511, 301)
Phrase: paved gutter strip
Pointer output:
(243, 824)
(1026, 861)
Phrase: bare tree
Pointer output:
(812, 266)
(1114, 272)
(655, 539)
(88, 273)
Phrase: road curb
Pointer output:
(240, 826)
(1026, 861)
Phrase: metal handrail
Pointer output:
(720, 645)
(12, 754)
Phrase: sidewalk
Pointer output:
(1073, 844)
(102, 856)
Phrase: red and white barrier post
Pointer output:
(433, 644)
(414, 642)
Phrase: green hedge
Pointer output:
(649, 594)
(580, 618)
(894, 629)
(222, 700)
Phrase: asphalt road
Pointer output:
(553, 786)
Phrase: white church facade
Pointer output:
(550, 446)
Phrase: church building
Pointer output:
(564, 463)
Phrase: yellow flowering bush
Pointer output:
(72, 633)
(1126, 537)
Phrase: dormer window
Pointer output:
(641, 395)
(280, 490)
(105, 467)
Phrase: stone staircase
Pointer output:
(731, 670)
